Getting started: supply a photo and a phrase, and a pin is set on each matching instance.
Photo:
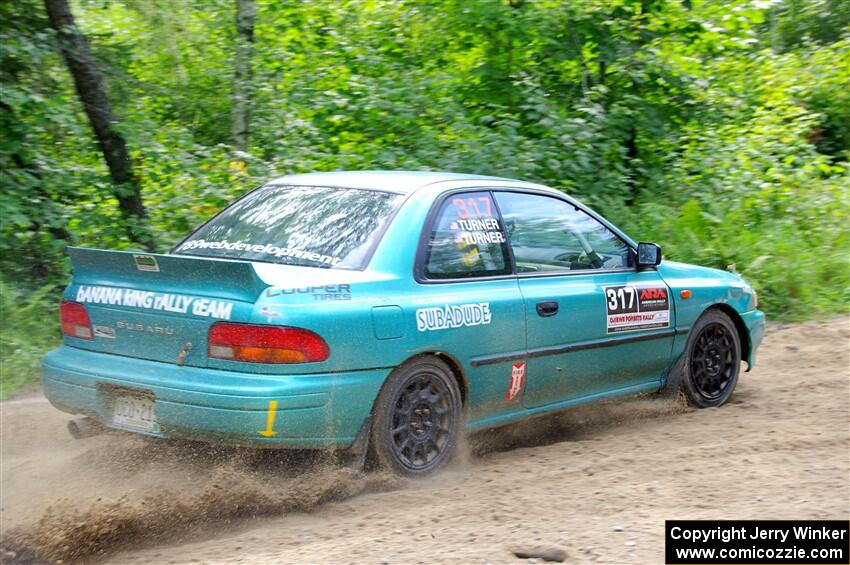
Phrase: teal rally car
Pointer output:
(387, 313)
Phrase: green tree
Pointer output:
(92, 93)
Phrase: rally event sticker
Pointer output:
(517, 382)
(630, 308)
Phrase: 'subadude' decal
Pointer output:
(452, 316)
(630, 308)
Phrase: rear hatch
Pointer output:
(158, 307)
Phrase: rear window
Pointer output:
(332, 228)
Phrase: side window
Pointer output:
(467, 239)
(549, 235)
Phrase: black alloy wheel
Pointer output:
(712, 360)
(417, 418)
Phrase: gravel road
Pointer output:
(596, 482)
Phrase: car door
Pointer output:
(595, 324)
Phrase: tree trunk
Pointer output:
(92, 94)
(241, 115)
(632, 156)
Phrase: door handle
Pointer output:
(547, 308)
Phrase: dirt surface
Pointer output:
(596, 482)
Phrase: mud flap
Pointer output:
(355, 456)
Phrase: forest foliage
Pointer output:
(720, 130)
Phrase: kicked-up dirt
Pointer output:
(596, 482)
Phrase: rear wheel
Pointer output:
(417, 418)
(709, 368)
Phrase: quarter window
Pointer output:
(467, 239)
(550, 235)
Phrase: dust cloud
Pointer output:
(138, 491)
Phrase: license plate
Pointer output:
(134, 412)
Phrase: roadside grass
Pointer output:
(29, 327)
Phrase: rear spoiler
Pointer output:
(233, 280)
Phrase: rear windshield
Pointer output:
(331, 228)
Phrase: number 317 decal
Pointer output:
(633, 308)
(620, 299)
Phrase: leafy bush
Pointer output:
(29, 329)
(754, 191)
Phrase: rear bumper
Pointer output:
(313, 410)
(756, 325)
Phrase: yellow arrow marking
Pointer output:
(269, 431)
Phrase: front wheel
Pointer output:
(709, 368)
(417, 418)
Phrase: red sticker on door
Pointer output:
(517, 381)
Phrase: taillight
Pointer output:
(265, 344)
(75, 320)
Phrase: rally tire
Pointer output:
(708, 371)
(417, 419)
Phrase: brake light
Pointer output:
(265, 344)
(75, 320)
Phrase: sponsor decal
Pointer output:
(266, 249)
(517, 383)
(651, 299)
(452, 316)
(148, 300)
(139, 327)
(146, 263)
(631, 308)
(104, 331)
(319, 293)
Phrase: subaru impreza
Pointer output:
(387, 313)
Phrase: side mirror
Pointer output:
(648, 255)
